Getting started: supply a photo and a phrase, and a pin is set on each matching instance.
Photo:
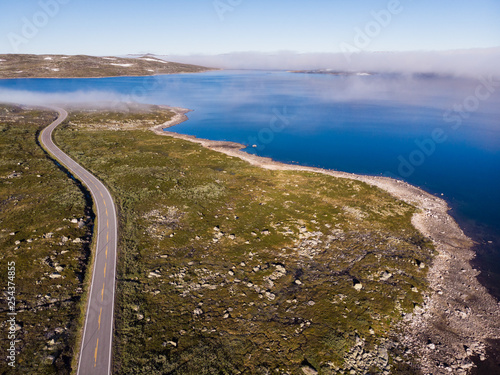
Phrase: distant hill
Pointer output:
(61, 66)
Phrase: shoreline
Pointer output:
(118, 76)
(459, 316)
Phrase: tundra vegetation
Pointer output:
(45, 228)
(228, 268)
(223, 267)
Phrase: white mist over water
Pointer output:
(472, 63)
(99, 99)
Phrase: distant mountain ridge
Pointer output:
(83, 66)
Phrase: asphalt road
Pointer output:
(95, 352)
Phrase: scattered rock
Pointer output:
(198, 311)
(270, 296)
(154, 274)
(308, 370)
(50, 359)
(357, 285)
(385, 276)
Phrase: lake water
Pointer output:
(439, 133)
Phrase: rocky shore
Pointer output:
(458, 317)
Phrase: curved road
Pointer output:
(95, 352)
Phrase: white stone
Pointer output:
(270, 296)
(385, 276)
(307, 370)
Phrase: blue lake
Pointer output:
(442, 134)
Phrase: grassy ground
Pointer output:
(37, 203)
(227, 268)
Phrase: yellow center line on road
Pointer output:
(100, 192)
(100, 313)
(105, 264)
(102, 292)
(106, 211)
(95, 354)
(107, 237)
(106, 251)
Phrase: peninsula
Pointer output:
(82, 66)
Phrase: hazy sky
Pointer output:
(180, 27)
